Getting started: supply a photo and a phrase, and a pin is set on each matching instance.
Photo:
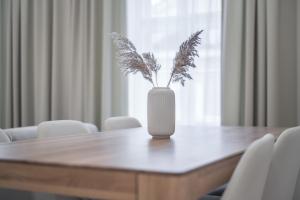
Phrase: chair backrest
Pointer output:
(21, 133)
(30, 132)
(114, 123)
(284, 169)
(3, 137)
(91, 127)
(249, 177)
(61, 128)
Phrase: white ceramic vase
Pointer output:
(161, 112)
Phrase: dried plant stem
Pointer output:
(169, 82)
(152, 83)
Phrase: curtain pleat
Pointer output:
(52, 61)
(259, 63)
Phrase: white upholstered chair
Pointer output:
(249, 177)
(122, 122)
(283, 182)
(30, 132)
(3, 137)
(61, 128)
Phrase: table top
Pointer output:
(190, 148)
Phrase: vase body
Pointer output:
(161, 112)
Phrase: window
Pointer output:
(160, 26)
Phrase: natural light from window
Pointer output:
(160, 26)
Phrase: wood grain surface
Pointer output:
(128, 164)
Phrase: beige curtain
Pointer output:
(57, 61)
(260, 72)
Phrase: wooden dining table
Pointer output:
(128, 163)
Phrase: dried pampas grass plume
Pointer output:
(184, 59)
(152, 63)
(132, 62)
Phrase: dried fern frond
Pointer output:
(152, 63)
(184, 59)
(130, 61)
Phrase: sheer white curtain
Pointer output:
(160, 26)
